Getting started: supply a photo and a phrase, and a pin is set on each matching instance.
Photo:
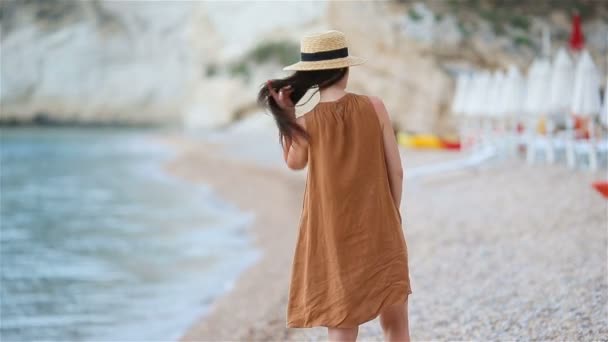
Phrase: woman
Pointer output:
(350, 262)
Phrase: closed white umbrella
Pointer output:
(531, 79)
(562, 82)
(495, 91)
(585, 102)
(537, 90)
(471, 95)
(475, 106)
(513, 94)
(605, 111)
(476, 102)
(586, 93)
(468, 98)
(463, 87)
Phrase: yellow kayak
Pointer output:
(427, 141)
(419, 140)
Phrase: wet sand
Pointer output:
(501, 251)
(252, 309)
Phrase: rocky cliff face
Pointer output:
(106, 61)
(127, 61)
(416, 49)
(200, 63)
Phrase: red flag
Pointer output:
(577, 39)
(602, 188)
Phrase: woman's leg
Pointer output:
(395, 324)
(342, 334)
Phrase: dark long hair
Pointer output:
(301, 82)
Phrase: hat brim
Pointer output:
(327, 64)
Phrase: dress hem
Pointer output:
(401, 300)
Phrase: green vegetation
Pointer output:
(211, 70)
(283, 52)
(466, 33)
(52, 10)
(413, 14)
(501, 18)
(586, 8)
(52, 13)
(512, 19)
(240, 69)
(522, 40)
(495, 18)
(520, 21)
(505, 16)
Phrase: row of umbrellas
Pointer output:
(561, 86)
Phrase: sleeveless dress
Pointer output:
(350, 259)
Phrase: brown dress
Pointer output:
(350, 259)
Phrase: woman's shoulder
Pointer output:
(379, 108)
(374, 100)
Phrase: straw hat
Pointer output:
(326, 50)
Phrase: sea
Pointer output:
(99, 243)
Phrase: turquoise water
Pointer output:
(98, 243)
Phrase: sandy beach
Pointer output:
(501, 251)
(144, 195)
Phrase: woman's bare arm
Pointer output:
(391, 151)
(295, 150)
(295, 153)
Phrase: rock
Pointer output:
(81, 71)
(213, 103)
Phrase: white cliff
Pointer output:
(133, 61)
(191, 62)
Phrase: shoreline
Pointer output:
(244, 184)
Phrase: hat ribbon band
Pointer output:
(323, 55)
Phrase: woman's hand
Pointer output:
(295, 151)
(283, 98)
